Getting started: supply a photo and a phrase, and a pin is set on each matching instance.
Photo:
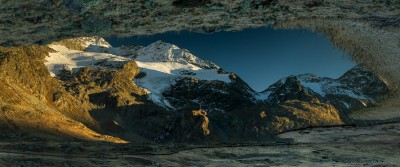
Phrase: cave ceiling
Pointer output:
(367, 29)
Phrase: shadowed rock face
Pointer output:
(363, 81)
(290, 88)
(213, 96)
(356, 89)
(292, 103)
(32, 101)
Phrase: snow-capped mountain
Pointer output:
(358, 88)
(164, 64)
(161, 63)
(211, 95)
(166, 52)
(151, 88)
(175, 79)
(64, 58)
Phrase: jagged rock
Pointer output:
(137, 108)
(290, 89)
(356, 89)
(232, 106)
(364, 82)
(31, 100)
(214, 96)
(296, 114)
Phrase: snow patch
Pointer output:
(65, 58)
(95, 41)
(165, 52)
(161, 75)
(163, 64)
(316, 87)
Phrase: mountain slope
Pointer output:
(164, 52)
(356, 89)
(32, 101)
(162, 64)
(147, 94)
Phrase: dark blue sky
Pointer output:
(259, 56)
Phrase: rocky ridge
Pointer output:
(147, 94)
(34, 102)
(356, 89)
(161, 110)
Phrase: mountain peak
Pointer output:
(165, 52)
(83, 43)
(357, 71)
(158, 45)
(308, 77)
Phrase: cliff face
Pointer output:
(32, 101)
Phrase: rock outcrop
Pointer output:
(356, 89)
(32, 101)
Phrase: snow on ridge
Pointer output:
(166, 52)
(160, 76)
(65, 58)
(320, 85)
(324, 86)
(96, 41)
(163, 64)
(308, 77)
(313, 82)
(315, 87)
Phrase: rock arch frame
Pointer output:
(368, 30)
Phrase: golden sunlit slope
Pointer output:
(32, 101)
